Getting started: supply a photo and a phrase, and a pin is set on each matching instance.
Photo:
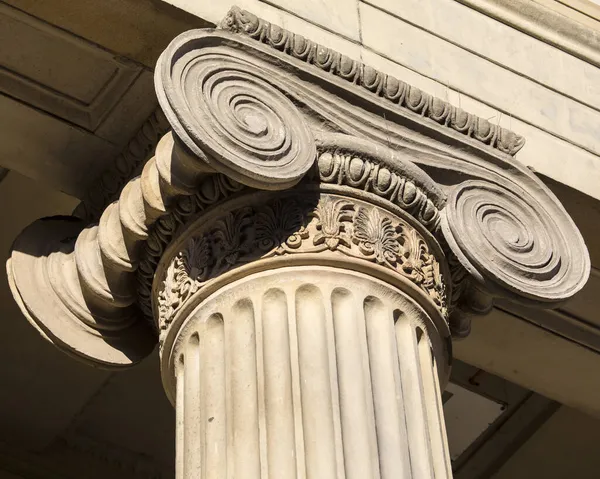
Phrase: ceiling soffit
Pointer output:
(59, 73)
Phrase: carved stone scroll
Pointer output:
(227, 113)
(513, 245)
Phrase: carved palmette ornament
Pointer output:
(293, 225)
(376, 236)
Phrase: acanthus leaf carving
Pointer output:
(413, 250)
(229, 238)
(188, 270)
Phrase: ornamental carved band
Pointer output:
(282, 152)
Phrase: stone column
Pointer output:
(300, 246)
(312, 372)
(304, 334)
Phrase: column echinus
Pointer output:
(307, 238)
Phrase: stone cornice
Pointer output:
(283, 113)
(386, 86)
(544, 23)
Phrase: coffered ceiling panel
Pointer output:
(58, 72)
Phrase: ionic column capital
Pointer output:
(257, 111)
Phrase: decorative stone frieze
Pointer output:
(301, 245)
(327, 228)
(386, 86)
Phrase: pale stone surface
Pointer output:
(216, 11)
(537, 359)
(544, 151)
(307, 370)
(480, 78)
(340, 16)
(502, 45)
(552, 21)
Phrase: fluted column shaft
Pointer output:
(309, 372)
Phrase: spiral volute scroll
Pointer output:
(515, 245)
(227, 111)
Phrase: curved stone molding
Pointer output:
(327, 228)
(226, 112)
(514, 245)
(53, 296)
(86, 277)
(386, 86)
(353, 162)
(296, 368)
(127, 165)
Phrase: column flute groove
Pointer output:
(358, 364)
(354, 382)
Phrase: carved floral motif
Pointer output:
(413, 251)
(279, 226)
(184, 275)
(332, 216)
(229, 237)
(294, 225)
(376, 236)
